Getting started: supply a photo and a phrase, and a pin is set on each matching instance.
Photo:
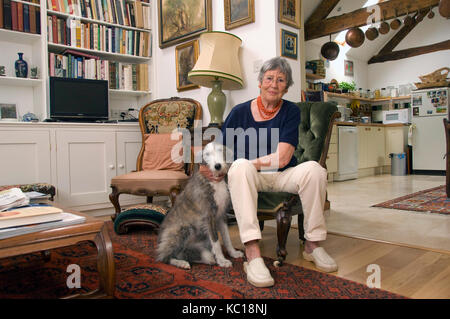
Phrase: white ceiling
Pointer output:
(369, 48)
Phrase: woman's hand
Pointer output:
(277, 160)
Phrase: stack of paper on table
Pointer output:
(12, 197)
(29, 215)
(67, 219)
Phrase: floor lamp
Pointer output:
(218, 68)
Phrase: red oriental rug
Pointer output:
(433, 200)
(139, 276)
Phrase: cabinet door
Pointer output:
(25, 157)
(363, 132)
(128, 147)
(376, 147)
(86, 162)
(394, 142)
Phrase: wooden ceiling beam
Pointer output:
(408, 53)
(323, 10)
(389, 10)
(403, 32)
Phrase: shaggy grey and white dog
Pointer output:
(189, 232)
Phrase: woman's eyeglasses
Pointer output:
(270, 79)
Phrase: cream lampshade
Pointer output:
(218, 68)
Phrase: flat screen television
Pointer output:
(78, 99)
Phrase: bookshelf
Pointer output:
(133, 52)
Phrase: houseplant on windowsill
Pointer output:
(347, 87)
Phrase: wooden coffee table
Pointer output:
(92, 229)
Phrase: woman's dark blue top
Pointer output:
(251, 139)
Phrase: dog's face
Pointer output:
(215, 156)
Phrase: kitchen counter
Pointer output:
(368, 124)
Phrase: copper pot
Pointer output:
(444, 8)
(395, 24)
(354, 37)
(408, 20)
(384, 27)
(330, 50)
(372, 33)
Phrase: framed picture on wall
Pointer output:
(348, 68)
(179, 21)
(186, 56)
(289, 12)
(289, 44)
(238, 13)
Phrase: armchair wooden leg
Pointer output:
(114, 198)
(174, 193)
(283, 225)
(301, 229)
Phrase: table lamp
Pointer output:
(218, 68)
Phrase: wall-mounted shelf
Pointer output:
(311, 76)
(363, 99)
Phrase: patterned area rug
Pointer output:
(433, 200)
(138, 275)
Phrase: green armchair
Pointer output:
(314, 138)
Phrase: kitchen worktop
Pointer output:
(369, 124)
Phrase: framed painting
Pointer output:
(348, 68)
(8, 112)
(289, 44)
(238, 13)
(289, 12)
(181, 20)
(186, 56)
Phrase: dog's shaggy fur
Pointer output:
(189, 232)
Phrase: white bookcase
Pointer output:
(32, 95)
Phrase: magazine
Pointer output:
(12, 197)
(66, 220)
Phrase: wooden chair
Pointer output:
(314, 138)
(157, 119)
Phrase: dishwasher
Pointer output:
(348, 153)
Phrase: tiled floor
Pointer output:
(351, 214)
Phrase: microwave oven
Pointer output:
(392, 116)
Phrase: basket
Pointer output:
(436, 76)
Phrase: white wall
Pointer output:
(260, 42)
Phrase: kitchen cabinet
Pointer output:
(332, 157)
(371, 146)
(395, 140)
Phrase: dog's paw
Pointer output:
(180, 264)
(236, 253)
(224, 263)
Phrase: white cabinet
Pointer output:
(332, 157)
(25, 157)
(395, 141)
(78, 159)
(371, 146)
(86, 162)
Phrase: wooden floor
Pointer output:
(410, 272)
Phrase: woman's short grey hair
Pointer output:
(277, 63)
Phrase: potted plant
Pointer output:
(347, 87)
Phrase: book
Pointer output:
(66, 219)
(7, 14)
(29, 215)
(12, 197)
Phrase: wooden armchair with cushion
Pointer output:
(314, 138)
(156, 173)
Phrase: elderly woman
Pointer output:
(263, 133)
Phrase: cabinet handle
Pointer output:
(121, 166)
(111, 166)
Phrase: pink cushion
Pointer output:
(158, 153)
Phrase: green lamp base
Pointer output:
(216, 103)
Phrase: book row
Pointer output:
(98, 37)
(121, 76)
(19, 16)
(132, 14)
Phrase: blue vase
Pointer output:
(21, 67)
